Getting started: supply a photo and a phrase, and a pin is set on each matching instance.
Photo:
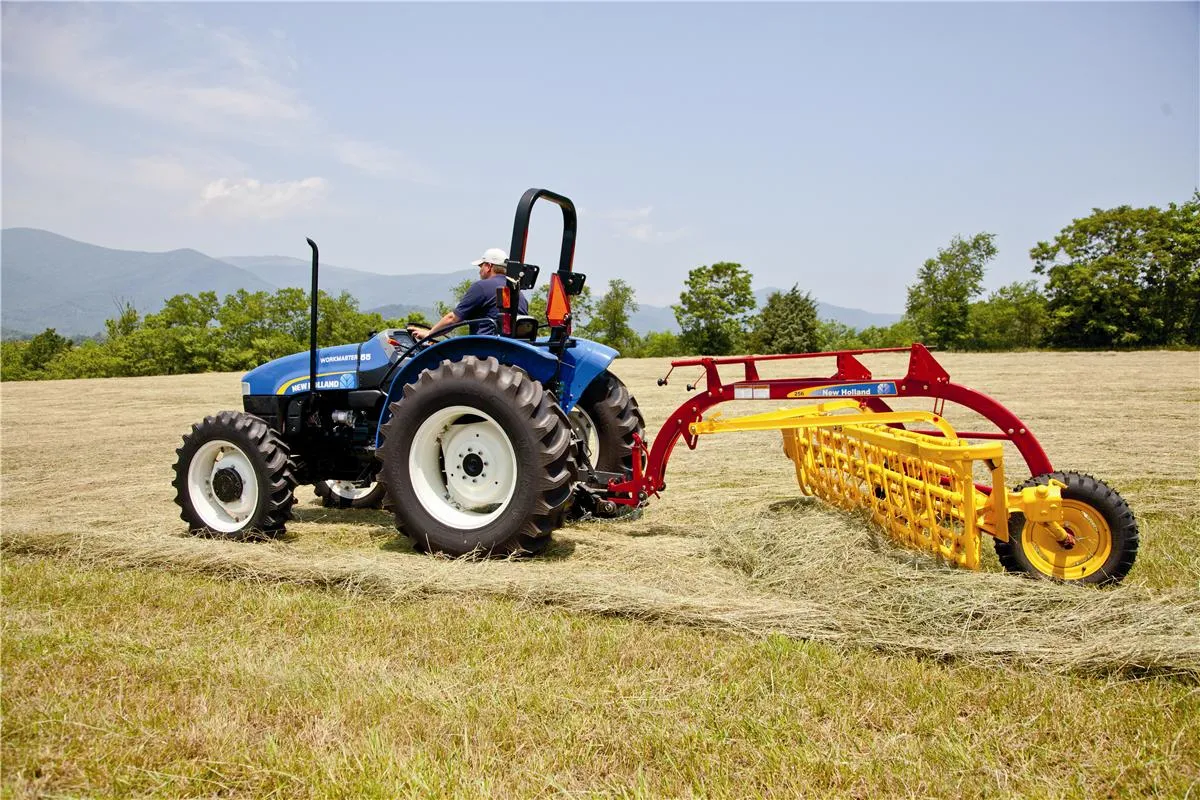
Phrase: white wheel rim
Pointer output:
(480, 474)
(225, 516)
(349, 490)
(591, 440)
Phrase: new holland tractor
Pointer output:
(485, 444)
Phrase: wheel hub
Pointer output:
(222, 485)
(473, 464)
(463, 467)
(470, 452)
(227, 484)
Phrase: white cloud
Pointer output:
(247, 197)
(381, 161)
(635, 224)
(216, 81)
(183, 171)
(195, 77)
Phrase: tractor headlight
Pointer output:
(245, 387)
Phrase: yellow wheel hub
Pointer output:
(1093, 543)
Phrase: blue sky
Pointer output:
(831, 145)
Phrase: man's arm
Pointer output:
(451, 318)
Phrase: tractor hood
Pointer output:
(337, 368)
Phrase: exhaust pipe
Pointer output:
(312, 343)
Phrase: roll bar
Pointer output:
(566, 257)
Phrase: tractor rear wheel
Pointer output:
(1105, 531)
(348, 494)
(605, 419)
(477, 459)
(233, 477)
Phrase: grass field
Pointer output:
(733, 641)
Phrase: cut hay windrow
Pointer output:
(992, 620)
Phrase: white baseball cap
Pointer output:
(493, 255)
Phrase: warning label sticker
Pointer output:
(752, 393)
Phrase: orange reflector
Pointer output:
(558, 305)
(504, 300)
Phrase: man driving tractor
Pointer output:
(478, 303)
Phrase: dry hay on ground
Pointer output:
(87, 474)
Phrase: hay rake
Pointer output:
(911, 471)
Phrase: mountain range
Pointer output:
(51, 281)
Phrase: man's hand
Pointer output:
(445, 322)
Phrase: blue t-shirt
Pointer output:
(479, 305)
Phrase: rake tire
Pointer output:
(477, 460)
(233, 478)
(1106, 531)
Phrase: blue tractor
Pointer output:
(484, 444)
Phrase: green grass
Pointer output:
(732, 642)
(146, 683)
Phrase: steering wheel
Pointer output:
(428, 341)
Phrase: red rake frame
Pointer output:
(925, 378)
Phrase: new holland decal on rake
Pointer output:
(918, 484)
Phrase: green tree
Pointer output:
(126, 322)
(12, 360)
(1012, 318)
(939, 302)
(1124, 277)
(839, 336)
(899, 334)
(610, 323)
(186, 311)
(659, 344)
(787, 324)
(42, 349)
(714, 307)
(91, 359)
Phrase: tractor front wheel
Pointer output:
(233, 477)
(477, 459)
(1104, 530)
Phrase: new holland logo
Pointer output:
(883, 388)
(337, 380)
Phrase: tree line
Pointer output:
(1119, 278)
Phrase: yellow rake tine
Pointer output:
(919, 487)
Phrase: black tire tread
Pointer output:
(617, 417)
(556, 479)
(271, 450)
(1106, 501)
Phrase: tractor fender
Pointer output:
(579, 367)
(581, 364)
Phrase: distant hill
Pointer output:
(854, 317)
(372, 289)
(50, 281)
(662, 318)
